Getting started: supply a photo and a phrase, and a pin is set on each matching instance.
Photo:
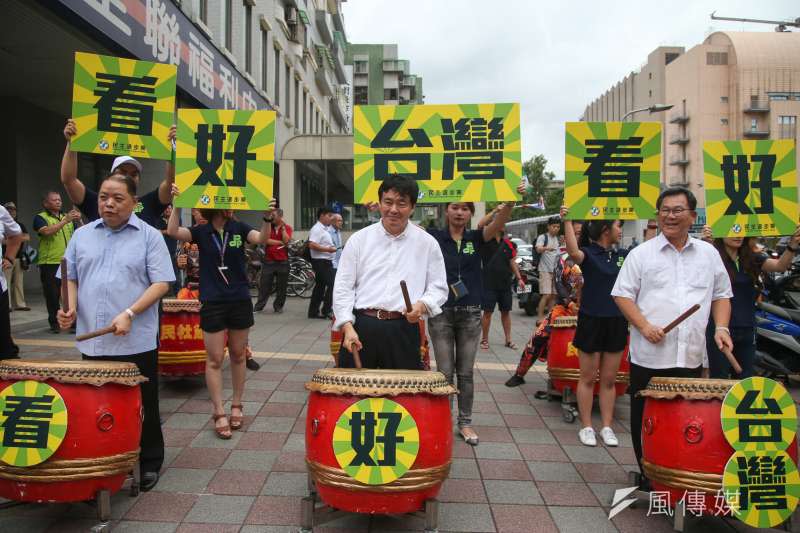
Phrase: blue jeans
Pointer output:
(455, 334)
(744, 349)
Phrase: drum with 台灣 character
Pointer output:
(181, 351)
(68, 429)
(378, 441)
(688, 440)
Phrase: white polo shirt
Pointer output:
(319, 234)
(665, 282)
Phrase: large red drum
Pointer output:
(563, 362)
(378, 441)
(683, 446)
(182, 351)
(93, 439)
(424, 352)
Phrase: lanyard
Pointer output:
(459, 247)
(220, 246)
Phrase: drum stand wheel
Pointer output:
(314, 512)
(135, 480)
(569, 411)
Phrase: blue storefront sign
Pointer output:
(157, 30)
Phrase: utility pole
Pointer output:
(780, 25)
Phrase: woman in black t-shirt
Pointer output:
(225, 298)
(744, 267)
(602, 330)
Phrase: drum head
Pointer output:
(87, 372)
(687, 388)
(367, 382)
(173, 305)
(565, 322)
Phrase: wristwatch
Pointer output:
(268, 220)
(130, 313)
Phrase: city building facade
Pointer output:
(380, 77)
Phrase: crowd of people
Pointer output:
(123, 251)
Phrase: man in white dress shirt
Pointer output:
(367, 300)
(320, 244)
(11, 234)
(659, 280)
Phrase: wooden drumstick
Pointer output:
(64, 286)
(732, 360)
(356, 357)
(406, 297)
(686, 314)
(96, 333)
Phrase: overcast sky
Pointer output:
(553, 57)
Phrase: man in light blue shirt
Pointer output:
(118, 267)
(336, 236)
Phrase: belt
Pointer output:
(381, 314)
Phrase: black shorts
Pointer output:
(491, 297)
(600, 334)
(216, 316)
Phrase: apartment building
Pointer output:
(735, 85)
(380, 77)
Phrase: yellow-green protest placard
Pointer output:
(751, 187)
(225, 159)
(457, 153)
(33, 423)
(123, 106)
(612, 169)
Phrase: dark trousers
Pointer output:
(391, 344)
(7, 349)
(276, 272)
(323, 288)
(744, 349)
(51, 286)
(151, 457)
(640, 377)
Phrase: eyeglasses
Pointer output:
(677, 211)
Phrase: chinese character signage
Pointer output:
(225, 159)
(751, 187)
(157, 30)
(33, 423)
(613, 169)
(376, 441)
(761, 482)
(122, 106)
(458, 153)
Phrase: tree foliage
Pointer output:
(535, 169)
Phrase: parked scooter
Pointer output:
(777, 340)
(529, 296)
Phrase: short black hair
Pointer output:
(126, 180)
(675, 191)
(554, 220)
(402, 185)
(323, 211)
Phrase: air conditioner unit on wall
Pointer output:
(291, 16)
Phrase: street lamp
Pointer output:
(655, 108)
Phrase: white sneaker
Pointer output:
(587, 437)
(608, 436)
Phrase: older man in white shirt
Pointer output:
(367, 300)
(659, 280)
(11, 234)
(320, 244)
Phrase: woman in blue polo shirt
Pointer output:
(744, 268)
(456, 331)
(602, 330)
(225, 297)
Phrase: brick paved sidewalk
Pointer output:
(528, 474)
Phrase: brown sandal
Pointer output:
(223, 432)
(236, 421)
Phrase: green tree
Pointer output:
(535, 169)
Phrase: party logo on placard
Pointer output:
(33, 422)
(123, 106)
(376, 441)
(613, 169)
(456, 153)
(225, 159)
(751, 187)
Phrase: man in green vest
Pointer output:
(54, 229)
